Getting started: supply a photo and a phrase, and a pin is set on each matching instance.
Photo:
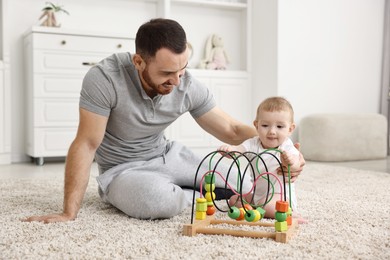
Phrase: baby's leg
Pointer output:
(235, 200)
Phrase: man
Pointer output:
(126, 103)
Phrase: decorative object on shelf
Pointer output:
(48, 17)
(215, 57)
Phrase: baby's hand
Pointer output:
(287, 158)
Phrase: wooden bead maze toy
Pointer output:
(249, 214)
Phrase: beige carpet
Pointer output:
(348, 210)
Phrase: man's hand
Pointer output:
(52, 218)
(224, 150)
(294, 172)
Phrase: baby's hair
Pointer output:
(278, 104)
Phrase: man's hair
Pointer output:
(276, 104)
(160, 33)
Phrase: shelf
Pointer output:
(213, 4)
(59, 30)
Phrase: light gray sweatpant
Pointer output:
(153, 189)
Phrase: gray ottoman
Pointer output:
(343, 137)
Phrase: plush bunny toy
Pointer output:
(215, 55)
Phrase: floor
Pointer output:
(55, 169)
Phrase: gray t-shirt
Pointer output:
(136, 123)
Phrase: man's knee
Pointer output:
(147, 200)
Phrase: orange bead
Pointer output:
(289, 220)
(248, 207)
(210, 210)
(242, 214)
(281, 206)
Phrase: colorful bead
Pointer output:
(210, 210)
(248, 207)
(201, 204)
(200, 215)
(289, 212)
(208, 196)
(250, 215)
(289, 220)
(234, 213)
(281, 226)
(261, 211)
(280, 216)
(281, 206)
(209, 178)
(242, 215)
(207, 187)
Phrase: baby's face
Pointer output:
(273, 128)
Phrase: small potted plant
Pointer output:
(49, 14)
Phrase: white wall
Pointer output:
(325, 55)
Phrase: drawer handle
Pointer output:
(119, 46)
(63, 42)
(89, 63)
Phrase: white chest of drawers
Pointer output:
(56, 62)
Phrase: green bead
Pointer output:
(280, 216)
(209, 178)
(250, 215)
(234, 213)
(261, 211)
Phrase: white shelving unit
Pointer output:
(56, 61)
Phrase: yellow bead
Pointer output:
(200, 215)
(261, 211)
(201, 204)
(257, 216)
(207, 187)
(289, 212)
(208, 196)
(281, 226)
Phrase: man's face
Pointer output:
(159, 75)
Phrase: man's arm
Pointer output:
(228, 130)
(78, 165)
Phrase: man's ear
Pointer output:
(139, 63)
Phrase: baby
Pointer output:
(274, 123)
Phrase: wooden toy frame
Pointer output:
(204, 227)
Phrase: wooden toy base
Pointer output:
(202, 227)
